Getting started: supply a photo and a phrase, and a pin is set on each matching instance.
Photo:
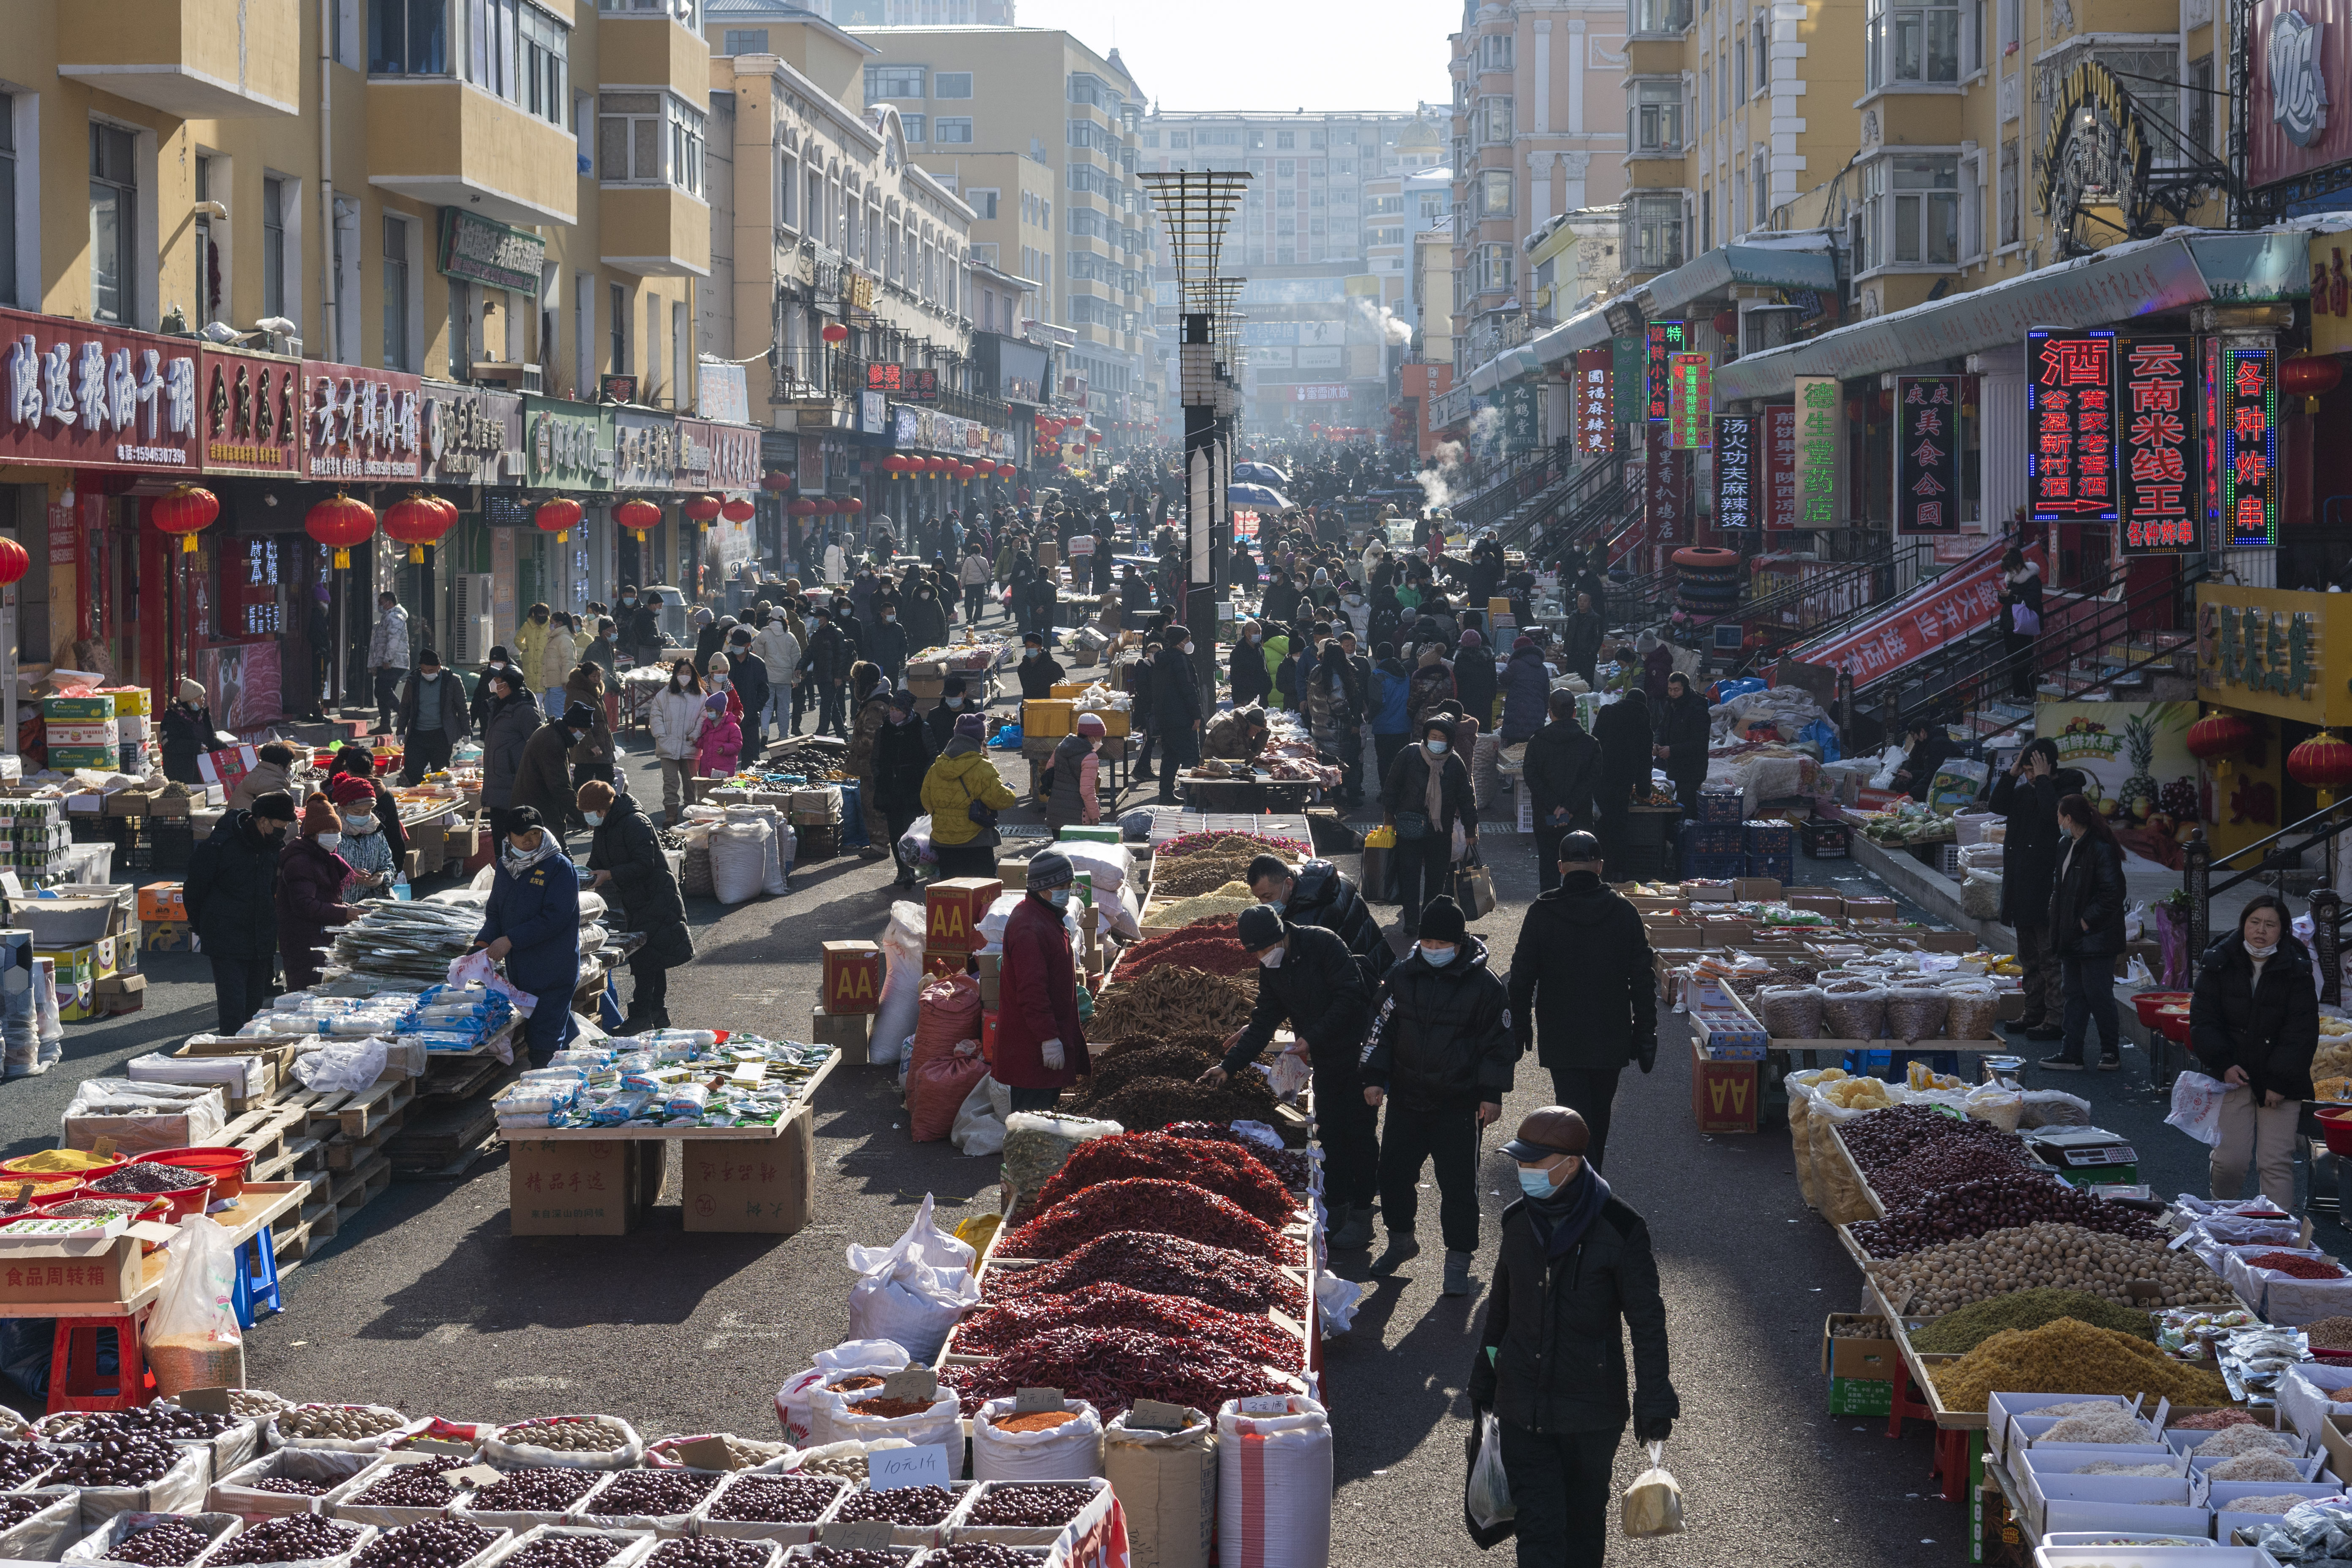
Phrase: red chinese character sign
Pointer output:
(1927, 454)
(2155, 411)
(1689, 402)
(1667, 339)
(1777, 463)
(2070, 426)
(1739, 503)
(1589, 402)
(2246, 398)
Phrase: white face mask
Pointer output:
(330, 840)
(1438, 957)
(1272, 957)
(359, 823)
(595, 818)
(1186, 650)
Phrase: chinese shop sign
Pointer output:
(2157, 403)
(1736, 499)
(252, 418)
(91, 396)
(2245, 404)
(1776, 462)
(1589, 397)
(362, 423)
(1820, 430)
(1927, 454)
(1690, 396)
(2260, 649)
(2070, 454)
(1666, 493)
(1667, 339)
(1625, 362)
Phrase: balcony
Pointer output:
(649, 50)
(654, 231)
(197, 59)
(449, 144)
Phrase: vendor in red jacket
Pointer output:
(1040, 1049)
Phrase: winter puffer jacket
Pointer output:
(1319, 991)
(1600, 1008)
(2086, 907)
(1563, 768)
(2270, 1029)
(539, 913)
(1475, 684)
(1391, 687)
(1683, 728)
(625, 846)
(902, 754)
(676, 720)
(232, 889)
(1441, 1037)
(309, 901)
(962, 775)
(1527, 692)
(1321, 896)
(509, 728)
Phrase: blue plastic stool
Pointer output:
(852, 818)
(256, 1278)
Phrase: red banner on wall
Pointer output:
(1947, 608)
(90, 396)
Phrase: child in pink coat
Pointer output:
(723, 738)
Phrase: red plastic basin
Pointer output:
(2337, 1127)
(227, 1167)
(185, 1201)
(2146, 1004)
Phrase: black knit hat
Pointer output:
(277, 805)
(1441, 921)
(1260, 927)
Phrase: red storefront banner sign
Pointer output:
(361, 426)
(1667, 339)
(1739, 503)
(2070, 425)
(1691, 402)
(1927, 454)
(1589, 403)
(2155, 398)
(1777, 463)
(252, 417)
(1951, 607)
(90, 396)
(717, 457)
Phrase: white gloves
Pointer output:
(1052, 1051)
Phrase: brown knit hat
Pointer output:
(319, 816)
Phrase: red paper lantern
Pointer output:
(776, 479)
(802, 508)
(15, 561)
(2311, 376)
(943, 465)
(964, 471)
(186, 511)
(638, 515)
(339, 522)
(835, 332)
(416, 520)
(2324, 764)
(703, 509)
(849, 506)
(1004, 470)
(558, 517)
(739, 511)
(2218, 737)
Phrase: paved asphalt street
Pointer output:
(427, 1304)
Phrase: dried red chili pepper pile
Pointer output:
(1226, 1169)
(1208, 945)
(994, 1330)
(1137, 1202)
(2301, 1267)
(1111, 1369)
(1161, 1265)
(1294, 1168)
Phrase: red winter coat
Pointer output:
(309, 899)
(1040, 1001)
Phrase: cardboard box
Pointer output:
(128, 802)
(168, 936)
(945, 961)
(94, 709)
(73, 1271)
(853, 977)
(1857, 1359)
(1168, 1488)
(848, 1033)
(100, 759)
(766, 1185)
(952, 910)
(163, 901)
(1871, 909)
(1755, 889)
(76, 977)
(1723, 1094)
(122, 993)
(1821, 903)
(562, 1187)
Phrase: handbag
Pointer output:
(1411, 824)
(1377, 877)
(2024, 620)
(981, 812)
(1474, 888)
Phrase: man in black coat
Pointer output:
(1574, 1279)
(1308, 979)
(1176, 708)
(2028, 794)
(1315, 894)
(826, 664)
(232, 899)
(627, 860)
(1039, 670)
(1563, 771)
(1600, 1010)
(1440, 1041)
(2086, 927)
(747, 673)
(1931, 748)
(641, 631)
(1623, 728)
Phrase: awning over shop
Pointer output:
(2179, 270)
(1805, 265)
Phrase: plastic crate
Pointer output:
(1782, 869)
(1768, 837)
(1826, 840)
(1714, 867)
(1712, 838)
(1722, 806)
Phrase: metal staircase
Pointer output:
(1509, 483)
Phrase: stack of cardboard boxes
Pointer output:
(851, 996)
(80, 731)
(91, 940)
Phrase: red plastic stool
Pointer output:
(75, 1382)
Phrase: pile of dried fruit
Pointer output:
(776, 1500)
(1999, 1203)
(1150, 1104)
(1195, 862)
(992, 1330)
(1226, 1169)
(1110, 1369)
(1137, 1202)
(2070, 1357)
(1957, 1332)
(1937, 1279)
(1161, 1265)
(2301, 1267)
(1206, 945)
(1293, 1167)
(1172, 1002)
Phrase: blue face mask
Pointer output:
(1059, 897)
(1437, 748)
(1535, 1182)
(1438, 957)
(595, 818)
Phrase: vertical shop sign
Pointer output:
(1589, 400)
(1666, 492)
(1626, 358)
(2156, 407)
(2247, 391)
(1927, 454)
(1667, 339)
(1820, 432)
(1690, 401)
(1776, 462)
(1736, 499)
(2070, 452)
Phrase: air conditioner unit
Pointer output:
(475, 630)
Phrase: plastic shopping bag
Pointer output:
(1653, 1503)
(1289, 1074)
(1487, 1511)
(2197, 1106)
(193, 1340)
(912, 1292)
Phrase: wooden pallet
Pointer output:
(458, 1077)
(261, 1131)
(376, 1179)
(292, 1244)
(441, 1140)
(374, 1106)
(344, 1151)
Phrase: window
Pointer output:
(983, 202)
(1972, 39)
(1494, 120)
(1660, 16)
(2009, 27)
(2199, 119)
(1086, 87)
(684, 11)
(408, 37)
(546, 50)
(649, 138)
(1495, 194)
(951, 84)
(955, 130)
(113, 222)
(743, 41)
(1494, 267)
(1913, 201)
(8, 199)
(1653, 233)
(1286, 169)
(1285, 198)
(273, 245)
(1738, 72)
(1705, 226)
(620, 348)
(1705, 99)
(395, 292)
(913, 124)
(1495, 52)
(1760, 176)
(1912, 43)
(893, 81)
(1759, 45)
(1285, 139)
(2005, 197)
(1657, 114)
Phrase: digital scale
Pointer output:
(2085, 1156)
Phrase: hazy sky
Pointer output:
(1385, 55)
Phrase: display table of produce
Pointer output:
(259, 1205)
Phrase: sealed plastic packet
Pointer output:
(1653, 1503)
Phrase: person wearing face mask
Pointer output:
(531, 924)
(626, 864)
(514, 717)
(2086, 927)
(1040, 670)
(676, 717)
(359, 838)
(1426, 792)
(312, 883)
(974, 575)
(543, 774)
(779, 647)
(231, 892)
(557, 652)
(530, 644)
(1176, 708)
(748, 679)
(1041, 1047)
(1575, 1280)
(869, 716)
(955, 701)
(387, 656)
(885, 639)
(1252, 682)
(902, 756)
(591, 755)
(2253, 1022)
(1308, 979)
(922, 614)
(1072, 790)
(187, 726)
(481, 710)
(641, 626)
(1440, 1044)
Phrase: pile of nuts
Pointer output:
(568, 1550)
(20, 1462)
(546, 1488)
(573, 1433)
(346, 1423)
(1935, 1280)
(1038, 1504)
(130, 1461)
(742, 1453)
(15, 1511)
(777, 1499)
(171, 1544)
(1869, 1327)
(413, 1486)
(655, 1494)
(256, 1404)
(900, 1505)
(433, 1543)
(710, 1551)
(288, 1486)
(291, 1538)
(850, 1468)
